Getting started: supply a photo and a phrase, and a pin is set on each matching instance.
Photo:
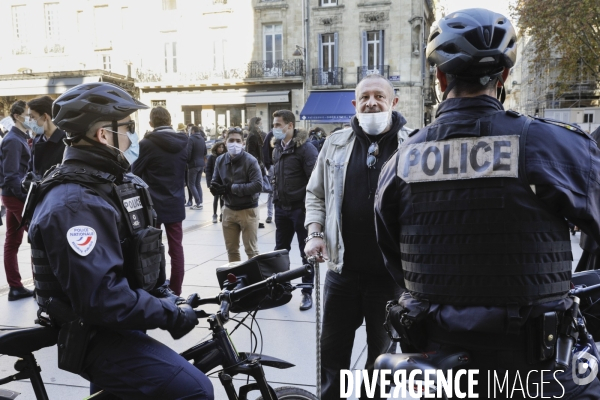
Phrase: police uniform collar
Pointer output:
(481, 103)
(88, 155)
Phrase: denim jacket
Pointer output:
(325, 191)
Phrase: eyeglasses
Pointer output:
(372, 154)
(130, 124)
(234, 130)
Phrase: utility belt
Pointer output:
(74, 334)
(537, 337)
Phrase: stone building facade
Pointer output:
(217, 63)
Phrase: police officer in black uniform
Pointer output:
(470, 216)
(99, 261)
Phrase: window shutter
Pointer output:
(381, 51)
(335, 50)
(365, 56)
(320, 52)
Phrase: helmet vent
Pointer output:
(114, 93)
(98, 100)
(457, 26)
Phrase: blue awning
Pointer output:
(330, 106)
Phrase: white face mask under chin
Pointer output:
(374, 123)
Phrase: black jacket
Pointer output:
(196, 151)
(254, 144)
(243, 174)
(267, 149)
(162, 162)
(14, 162)
(293, 167)
(46, 153)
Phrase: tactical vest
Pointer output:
(141, 242)
(474, 233)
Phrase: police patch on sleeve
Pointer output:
(82, 239)
(461, 158)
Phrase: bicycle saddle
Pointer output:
(22, 341)
(421, 361)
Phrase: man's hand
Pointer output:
(186, 321)
(218, 189)
(316, 247)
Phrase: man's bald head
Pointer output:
(367, 78)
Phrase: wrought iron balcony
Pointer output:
(361, 72)
(328, 76)
(251, 70)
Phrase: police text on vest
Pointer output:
(461, 158)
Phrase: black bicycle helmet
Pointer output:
(76, 110)
(473, 42)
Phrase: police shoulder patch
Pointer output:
(82, 239)
(565, 125)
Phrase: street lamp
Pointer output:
(299, 51)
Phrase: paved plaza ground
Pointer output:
(288, 332)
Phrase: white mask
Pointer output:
(374, 123)
(234, 148)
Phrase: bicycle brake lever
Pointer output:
(201, 314)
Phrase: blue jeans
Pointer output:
(270, 172)
(349, 298)
(132, 365)
(288, 223)
(194, 178)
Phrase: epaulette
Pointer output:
(413, 132)
(565, 125)
(513, 113)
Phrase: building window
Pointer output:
(372, 49)
(106, 62)
(158, 103)
(328, 3)
(170, 57)
(588, 118)
(219, 52)
(102, 17)
(273, 44)
(19, 23)
(169, 5)
(125, 22)
(52, 24)
(328, 51)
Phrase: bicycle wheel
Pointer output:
(292, 393)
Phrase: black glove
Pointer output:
(164, 292)
(218, 189)
(228, 188)
(186, 321)
(28, 179)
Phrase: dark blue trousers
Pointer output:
(288, 223)
(132, 365)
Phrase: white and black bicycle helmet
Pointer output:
(473, 44)
(76, 110)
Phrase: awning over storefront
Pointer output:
(33, 87)
(239, 97)
(329, 107)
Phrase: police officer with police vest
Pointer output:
(99, 261)
(470, 217)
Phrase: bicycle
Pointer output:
(451, 359)
(210, 354)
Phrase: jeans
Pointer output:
(288, 223)
(174, 238)
(193, 183)
(348, 299)
(132, 365)
(13, 240)
(244, 222)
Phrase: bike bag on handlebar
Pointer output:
(255, 270)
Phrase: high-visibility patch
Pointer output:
(82, 239)
(461, 158)
(132, 204)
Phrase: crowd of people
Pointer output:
(463, 222)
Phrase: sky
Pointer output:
(499, 6)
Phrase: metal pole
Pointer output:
(315, 265)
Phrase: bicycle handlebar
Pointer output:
(226, 298)
(588, 290)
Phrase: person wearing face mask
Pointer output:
(98, 257)
(15, 154)
(162, 164)
(237, 177)
(48, 146)
(293, 160)
(339, 216)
